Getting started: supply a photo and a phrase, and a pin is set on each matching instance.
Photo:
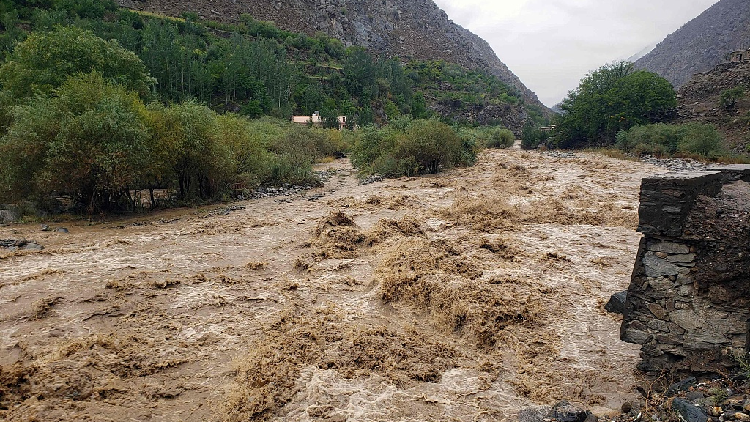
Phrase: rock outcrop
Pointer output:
(416, 29)
(688, 303)
(700, 101)
(702, 43)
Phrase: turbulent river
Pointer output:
(464, 296)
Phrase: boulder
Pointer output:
(534, 414)
(564, 411)
(616, 304)
(688, 412)
(8, 216)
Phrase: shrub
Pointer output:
(658, 139)
(665, 140)
(703, 140)
(330, 143)
(431, 145)
(200, 161)
(728, 98)
(500, 138)
(251, 159)
(418, 147)
(532, 137)
(295, 152)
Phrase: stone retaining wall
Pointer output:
(688, 303)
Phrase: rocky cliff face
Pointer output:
(702, 43)
(409, 29)
(700, 101)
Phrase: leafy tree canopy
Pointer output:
(44, 61)
(615, 97)
(88, 141)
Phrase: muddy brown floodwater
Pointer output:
(464, 296)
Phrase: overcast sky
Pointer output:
(552, 44)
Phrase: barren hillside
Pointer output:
(700, 100)
(701, 43)
(464, 296)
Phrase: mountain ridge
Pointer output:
(396, 28)
(702, 43)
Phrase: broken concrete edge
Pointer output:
(688, 302)
(666, 200)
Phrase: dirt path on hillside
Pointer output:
(465, 296)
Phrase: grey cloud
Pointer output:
(552, 44)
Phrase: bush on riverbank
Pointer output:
(692, 139)
(410, 148)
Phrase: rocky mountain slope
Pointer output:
(702, 43)
(396, 28)
(700, 100)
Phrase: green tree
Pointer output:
(615, 97)
(44, 61)
(89, 141)
(88, 9)
(360, 73)
(200, 160)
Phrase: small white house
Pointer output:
(316, 120)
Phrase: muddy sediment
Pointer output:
(463, 296)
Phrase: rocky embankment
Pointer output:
(700, 101)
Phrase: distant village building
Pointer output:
(316, 120)
(548, 128)
(740, 56)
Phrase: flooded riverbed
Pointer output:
(464, 296)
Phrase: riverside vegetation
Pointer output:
(635, 111)
(167, 104)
